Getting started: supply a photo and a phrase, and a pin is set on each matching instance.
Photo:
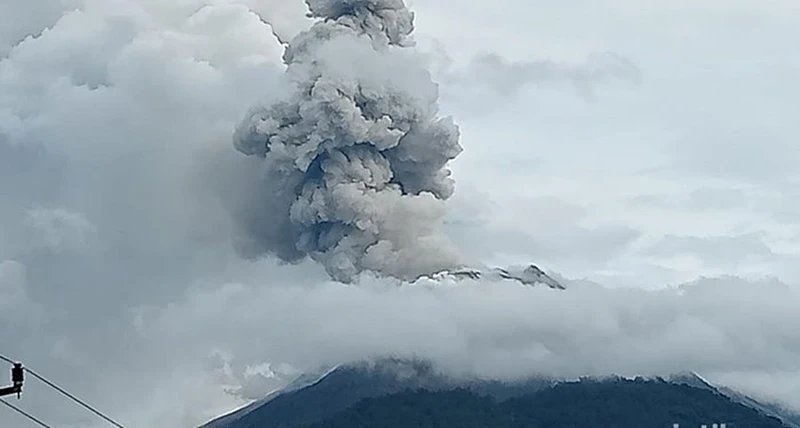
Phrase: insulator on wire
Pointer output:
(17, 374)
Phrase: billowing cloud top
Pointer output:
(386, 20)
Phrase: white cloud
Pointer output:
(60, 230)
(715, 249)
(544, 228)
(17, 310)
(500, 329)
(109, 115)
(12, 287)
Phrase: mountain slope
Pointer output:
(348, 385)
(316, 399)
(609, 404)
(301, 382)
(529, 276)
(789, 418)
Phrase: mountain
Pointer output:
(529, 276)
(355, 382)
(351, 393)
(301, 382)
(609, 403)
(400, 392)
(789, 418)
(348, 385)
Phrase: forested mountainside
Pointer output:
(394, 392)
(608, 404)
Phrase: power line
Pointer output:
(74, 398)
(24, 413)
(66, 394)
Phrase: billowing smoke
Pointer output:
(356, 156)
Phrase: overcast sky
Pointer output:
(637, 145)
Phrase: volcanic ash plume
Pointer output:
(356, 156)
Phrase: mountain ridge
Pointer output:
(530, 275)
(312, 400)
(607, 403)
(348, 384)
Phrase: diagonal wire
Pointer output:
(65, 393)
(24, 413)
(74, 398)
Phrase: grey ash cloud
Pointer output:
(356, 157)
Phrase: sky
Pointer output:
(640, 153)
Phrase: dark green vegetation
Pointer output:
(347, 386)
(412, 393)
(604, 404)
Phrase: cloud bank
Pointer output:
(716, 327)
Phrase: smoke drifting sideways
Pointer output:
(355, 158)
